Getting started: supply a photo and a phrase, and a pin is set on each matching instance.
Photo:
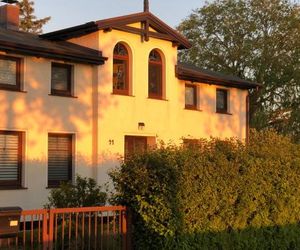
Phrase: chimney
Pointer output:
(9, 16)
(146, 5)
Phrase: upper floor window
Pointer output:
(61, 79)
(155, 77)
(10, 73)
(222, 101)
(191, 96)
(11, 158)
(120, 70)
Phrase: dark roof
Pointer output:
(29, 44)
(164, 31)
(192, 73)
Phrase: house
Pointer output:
(77, 100)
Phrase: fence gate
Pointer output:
(72, 228)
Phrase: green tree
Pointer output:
(28, 21)
(256, 40)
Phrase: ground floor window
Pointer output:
(191, 143)
(11, 158)
(60, 158)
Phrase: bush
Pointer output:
(218, 195)
(85, 193)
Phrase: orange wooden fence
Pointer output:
(72, 228)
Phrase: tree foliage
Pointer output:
(28, 21)
(216, 195)
(256, 40)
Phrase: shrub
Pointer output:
(85, 193)
(218, 195)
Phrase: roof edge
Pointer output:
(115, 22)
(188, 74)
(40, 52)
(71, 32)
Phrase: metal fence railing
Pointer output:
(72, 228)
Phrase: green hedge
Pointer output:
(216, 195)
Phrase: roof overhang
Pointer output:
(22, 49)
(148, 20)
(184, 72)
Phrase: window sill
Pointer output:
(52, 187)
(12, 188)
(193, 109)
(122, 94)
(60, 95)
(13, 90)
(157, 98)
(223, 113)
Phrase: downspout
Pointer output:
(247, 116)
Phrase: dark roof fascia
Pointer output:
(72, 32)
(184, 43)
(187, 74)
(154, 21)
(52, 54)
(118, 23)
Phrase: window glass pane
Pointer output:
(120, 50)
(60, 78)
(119, 74)
(59, 158)
(190, 96)
(222, 100)
(9, 160)
(155, 75)
(8, 72)
(154, 56)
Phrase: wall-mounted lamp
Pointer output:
(141, 125)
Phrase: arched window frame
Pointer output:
(158, 64)
(126, 60)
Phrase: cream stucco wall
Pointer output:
(37, 113)
(167, 119)
(100, 120)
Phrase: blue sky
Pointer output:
(67, 13)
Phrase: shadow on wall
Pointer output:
(37, 113)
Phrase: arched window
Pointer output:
(121, 70)
(155, 76)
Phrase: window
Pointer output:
(60, 158)
(121, 70)
(61, 79)
(191, 143)
(135, 145)
(190, 96)
(222, 101)
(155, 75)
(11, 158)
(10, 73)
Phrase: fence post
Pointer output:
(45, 230)
(126, 230)
(51, 225)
